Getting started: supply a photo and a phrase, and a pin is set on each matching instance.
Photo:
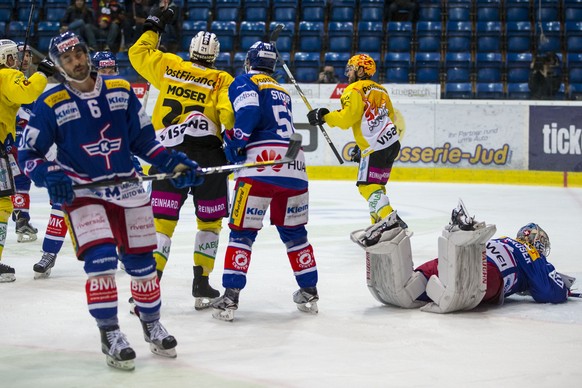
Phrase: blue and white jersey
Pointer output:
(524, 269)
(263, 125)
(95, 134)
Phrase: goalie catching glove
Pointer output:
(315, 116)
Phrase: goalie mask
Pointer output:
(363, 61)
(69, 43)
(204, 47)
(261, 56)
(535, 236)
(105, 62)
(8, 49)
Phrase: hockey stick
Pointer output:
(290, 156)
(274, 37)
(27, 35)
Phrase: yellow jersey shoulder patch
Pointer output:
(53, 99)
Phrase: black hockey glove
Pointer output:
(47, 67)
(315, 116)
(356, 154)
(158, 19)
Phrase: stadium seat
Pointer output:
(574, 65)
(307, 66)
(23, 12)
(458, 66)
(342, 10)
(429, 12)
(284, 10)
(129, 74)
(227, 10)
(572, 10)
(54, 13)
(370, 36)
(575, 92)
(518, 36)
(459, 36)
(427, 67)
(5, 13)
(518, 91)
(372, 10)
(310, 36)
(517, 10)
(488, 67)
(488, 36)
(223, 62)
(189, 29)
(45, 32)
(313, 10)
(257, 10)
(397, 67)
(238, 63)
(340, 36)
(428, 36)
(399, 36)
(458, 90)
(338, 60)
(489, 90)
(573, 33)
(199, 10)
(547, 11)
(225, 31)
(459, 10)
(488, 10)
(3, 28)
(17, 31)
(250, 32)
(286, 36)
(553, 41)
(518, 67)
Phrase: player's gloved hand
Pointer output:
(179, 162)
(47, 67)
(137, 165)
(9, 145)
(356, 154)
(58, 184)
(315, 116)
(234, 149)
(158, 19)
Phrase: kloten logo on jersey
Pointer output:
(103, 147)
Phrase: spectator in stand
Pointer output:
(327, 76)
(544, 78)
(111, 17)
(408, 6)
(80, 19)
(136, 13)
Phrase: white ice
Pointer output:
(50, 340)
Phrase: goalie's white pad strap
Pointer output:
(462, 280)
(391, 278)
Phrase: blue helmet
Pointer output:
(103, 59)
(63, 43)
(261, 56)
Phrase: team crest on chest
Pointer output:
(103, 147)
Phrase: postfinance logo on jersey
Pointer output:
(186, 76)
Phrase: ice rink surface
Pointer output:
(50, 340)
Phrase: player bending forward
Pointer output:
(97, 123)
(471, 268)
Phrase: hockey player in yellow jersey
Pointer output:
(367, 109)
(189, 114)
(15, 90)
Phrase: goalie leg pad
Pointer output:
(462, 271)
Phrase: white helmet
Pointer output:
(7, 48)
(204, 47)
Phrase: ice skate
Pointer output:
(202, 292)
(460, 219)
(117, 350)
(42, 269)
(225, 306)
(161, 343)
(372, 234)
(25, 231)
(7, 273)
(306, 299)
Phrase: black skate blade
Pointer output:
(7, 278)
(126, 365)
(42, 275)
(157, 350)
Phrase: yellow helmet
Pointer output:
(364, 61)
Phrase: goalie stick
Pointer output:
(274, 37)
(289, 157)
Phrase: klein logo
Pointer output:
(103, 147)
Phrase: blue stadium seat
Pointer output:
(340, 36)
(284, 10)
(399, 36)
(338, 60)
(250, 32)
(488, 10)
(488, 67)
(518, 36)
(227, 10)
(313, 10)
(372, 10)
(489, 91)
(377, 57)
(488, 36)
(518, 67)
(223, 62)
(574, 65)
(23, 12)
(310, 36)
(54, 13)
(257, 10)
(45, 32)
(430, 12)
(459, 10)
(225, 31)
(572, 10)
(286, 36)
(549, 10)
(428, 36)
(128, 73)
(307, 66)
(189, 29)
(5, 13)
(342, 10)
(573, 36)
(552, 32)
(427, 67)
(2, 28)
(199, 10)
(517, 10)
(238, 63)
(518, 91)
(397, 67)
(458, 66)
(575, 92)
(458, 90)
(370, 36)
(17, 30)
(459, 36)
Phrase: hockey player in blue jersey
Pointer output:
(97, 123)
(263, 126)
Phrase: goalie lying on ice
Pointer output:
(471, 268)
